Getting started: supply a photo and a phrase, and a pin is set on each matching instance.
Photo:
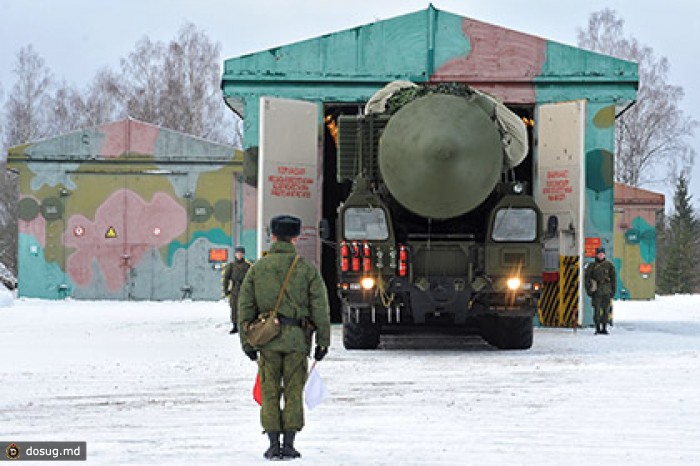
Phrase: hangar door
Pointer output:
(560, 193)
(288, 179)
(117, 237)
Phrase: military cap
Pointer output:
(285, 225)
(599, 250)
(239, 249)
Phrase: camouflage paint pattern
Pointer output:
(126, 210)
(432, 45)
(282, 375)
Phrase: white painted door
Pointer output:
(560, 183)
(288, 175)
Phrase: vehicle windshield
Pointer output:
(515, 224)
(365, 223)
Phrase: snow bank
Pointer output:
(6, 296)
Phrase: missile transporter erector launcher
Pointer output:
(436, 231)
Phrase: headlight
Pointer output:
(513, 283)
(367, 283)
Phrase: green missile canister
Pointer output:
(441, 155)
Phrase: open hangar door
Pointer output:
(560, 194)
(298, 165)
(289, 175)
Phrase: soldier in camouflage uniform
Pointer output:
(600, 286)
(282, 361)
(234, 273)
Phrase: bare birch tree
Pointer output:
(8, 208)
(143, 73)
(104, 98)
(192, 83)
(67, 109)
(177, 85)
(9, 184)
(3, 149)
(28, 104)
(652, 137)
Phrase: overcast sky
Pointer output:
(77, 37)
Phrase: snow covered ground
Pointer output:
(164, 383)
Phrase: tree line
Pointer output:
(678, 245)
(174, 85)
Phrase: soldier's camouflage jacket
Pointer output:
(603, 274)
(305, 296)
(234, 273)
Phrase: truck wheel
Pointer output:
(513, 333)
(488, 326)
(360, 336)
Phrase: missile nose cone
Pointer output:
(440, 156)
(443, 153)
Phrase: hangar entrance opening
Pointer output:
(526, 171)
(333, 193)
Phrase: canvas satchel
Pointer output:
(267, 326)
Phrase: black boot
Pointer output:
(604, 330)
(288, 450)
(274, 452)
(234, 329)
(597, 329)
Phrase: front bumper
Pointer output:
(442, 301)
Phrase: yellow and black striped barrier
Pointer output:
(558, 304)
(549, 304)
(568, 290)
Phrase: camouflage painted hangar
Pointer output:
(569, 96)
(636, 215)
(126, 210)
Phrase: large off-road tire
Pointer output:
(513, 333)
(360, 336)
(488, 326)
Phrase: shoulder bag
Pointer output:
(266, 325)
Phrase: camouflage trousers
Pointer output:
(601, 308)
(233, 304)
(282, 375)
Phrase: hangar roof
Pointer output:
(428, 46)
(628, 195)
(128, 138)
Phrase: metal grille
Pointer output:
(358, 145)
(348, 160)
(440, 260)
